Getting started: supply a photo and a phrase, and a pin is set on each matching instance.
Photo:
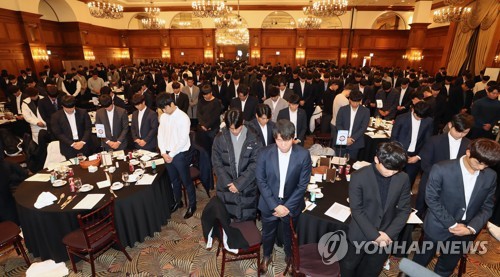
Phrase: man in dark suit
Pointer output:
(356, 126)
(460, 195)
(115, 121)
(443, 147)
(49, 105)
(181, 100)
(245, 103)
(404, 97)
(230, 89)
(297, 116)
(117, 101)
(413, 130)
(72, 127)
(283, 172)
(389, 98)
(304, 89)
(260, 88)
(460, 99)
(379, 198)
(262, 124)
(144, 133)
(15, 99)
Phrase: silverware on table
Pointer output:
(70, 198)
(61, 198)
(307, 207)
(112, 192)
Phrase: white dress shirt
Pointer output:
(236, 90)
(302, 86)
(469, 181)
(173, 133)
(19, 103)
(402, 95)
(351, 122)
(243, 104)
(72, 123)
(293, 119)
(264, 88)
(282, 94)
(110, 118)
(454, 146)
(264, 132)
(283, 160)
(415, 126)
(140, 115)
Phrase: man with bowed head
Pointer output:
(283, 172)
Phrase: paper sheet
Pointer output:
(103, 184)
(89, 201)
(147, 179)
(40, 177)
(317, 178)
(338, 212)
(310, 205)
(53, 166)
(118, 153)
(148, 153)
(157, 161)
(414, 219)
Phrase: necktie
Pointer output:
(176, 99)
(54, 103)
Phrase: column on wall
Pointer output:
(418, 30)
(300, 47)
(255, 45)
(209, 46)
(35, 43)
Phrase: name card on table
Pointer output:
(339, 212)
(147, 179)
(39, 177)
(157, 162)
(342, 137)
(89, 201)
(100, 131)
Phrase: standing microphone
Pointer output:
(413, 269)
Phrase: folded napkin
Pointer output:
(47, 268)
(45, 199)
(359, 164)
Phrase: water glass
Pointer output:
(125, 178)
(80, 157)
(78, 183)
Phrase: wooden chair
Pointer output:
(254, 238)
(319, 170)
(97, 234)
(306, 260)
(323, 139)
(10, 236)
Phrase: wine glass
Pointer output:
(125, 178)
(143, 164)
(78, 183)
(347, 157)
(80, 157)
(110, 153)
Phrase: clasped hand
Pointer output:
(383, 239)
(281, 211)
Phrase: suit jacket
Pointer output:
(13, 105)
(258, 89)
(401, 131)
(361, 121)
(268, 179)
(193, 100)
(61, 130)
(457, 102)
(390, 102)
(254, 124)
(368, 215)
(308, 96)
(282, 104)
(437, 149)
(47, 109)
(119, 102)
(182, 101)
(149, 129)
(120, 126)
(445, 198)
(149, 99)
(406, 99)
(286, 95)
(250, 105)
(301, 127)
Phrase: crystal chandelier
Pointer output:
(152, 11)
(228, 21)
(325, 8)
(210, 8)
(105, 9)
(451, 14)
(152, 21)
(310, 22)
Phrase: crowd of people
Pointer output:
(253, 122)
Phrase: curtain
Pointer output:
(471, 49)
(483, 15)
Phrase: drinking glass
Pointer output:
(110, 153)
(143, 164)
(347, 157)
(80, 157)
(125, 178)
(78, 183)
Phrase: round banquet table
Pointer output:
(140, 210)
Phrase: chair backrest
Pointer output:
(324, 161)
(98, 224)
(295, 249)
(320, 170)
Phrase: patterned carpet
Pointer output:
(179, 250)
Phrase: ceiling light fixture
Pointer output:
(310, 22)
(105, 9)
(210, 8)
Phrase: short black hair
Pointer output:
(31, 92)
(386, 85)
(294, 99)
(137, 99)
(285, 129)
(422, 109)
(233, 117)
(405, 81)
(105, 90)
(68, 101)
(486, 151)
(105, 100)
(176, 85)
(242, 89)
(392, 155)
(462, 122)
(236, 77)
(13, 89)
(469, 84)
(355, 95)
(206, 89)
(436, 86)
(52, 91)
(263, 109)
(274, 91)
(164, 99)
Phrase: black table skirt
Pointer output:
(314, 224)
(139, 211)
(370, 149)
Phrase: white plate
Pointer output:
(86, 187)
(145, 158)
(139, 171)
(134, 162)
(59, 183)
(116, 186)
(132, 178)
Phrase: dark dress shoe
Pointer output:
(264, 265)
(176, 206)
(190, 212)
